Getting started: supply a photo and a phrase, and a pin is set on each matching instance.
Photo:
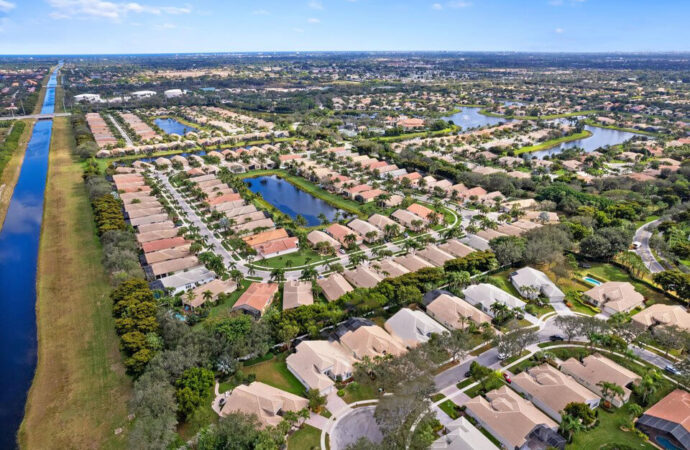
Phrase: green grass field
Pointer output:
(274, 372)
(553, 143)
(306, 438)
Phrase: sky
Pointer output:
(185, 26)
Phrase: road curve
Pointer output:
(642, 235)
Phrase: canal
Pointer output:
(19, 239)
(291, 200)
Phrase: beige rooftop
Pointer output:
(264, 401)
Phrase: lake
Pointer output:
(290, 199)
(470, 117)
(601, 137)
(19, 240)
(172, 126)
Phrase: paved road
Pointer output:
(642, 235)
(123, 133)
(36, 116)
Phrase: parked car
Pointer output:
(467, 374)
(555, 338)
(672, 370)
(506, 377)
(342, 251)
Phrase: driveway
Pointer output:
(642, 235)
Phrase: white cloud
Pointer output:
(260, 12)
(313, 20)
(459, 4)
(63, 9)
(6, 6)
(451, 5)
(559, 30)
(298, 30)
(166, 26)
(315, 4)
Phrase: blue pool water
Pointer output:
(591, 280)
(19, 240)
(291, 200)
(172, 126)
(665, 443)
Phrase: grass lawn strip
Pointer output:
(80, 391)
(306, 438)
(553, 142)
(274, 372)
(10, 173)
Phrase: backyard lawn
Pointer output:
(299, 258)
(355, 392)
(224, 309)
(610, 272)
(274, 372)
(608, 432)
(306, 438)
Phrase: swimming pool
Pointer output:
(591, 280)
(665, 443)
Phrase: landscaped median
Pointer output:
(553, 142)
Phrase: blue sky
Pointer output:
(141, 26)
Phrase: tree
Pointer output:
(193, 387)
(610, 391)
(569, 425)
(674, 280)
(509, 250)
(458, 280)
(647, 385)
(278, 274)
(316, 400)
(545, 244)
(582, 412)
(571, 326)
(240, 431)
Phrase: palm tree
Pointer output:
(207, 295)
(309, 273)
(350, 239)
(610, 391)
(569, 425)
(278, 274)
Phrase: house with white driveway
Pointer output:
(484, 295)
(531, 283)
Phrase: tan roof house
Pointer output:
(456, 248)
(595, 369)
(660, 314)
(256, 299)
(381, 221)
(215, 287)
(267, 403)
(507, 416)
(362, 277)
(318, 364)
(316, 236)
(407, 219)
(668, 418)
(455, 313)
(363, 228)
(371, 341)
(551, 390)
(412, 327)
(435, 255)
(297, 293)
(615, 297)
(388, 268)
(338, 232)
(334, 286)
(412, 262)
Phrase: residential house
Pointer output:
(318, 364)
(215, 288)
(484, 295)
(508, 417)
(371, 341)
(412, 327)
(362, 277)
(267, 403)
(462, 435)
(297, 293)
(369, 232)
(256, 299)
(615, 297)
(660, 314)
(334, 286)
(595, 369)
(455, 313)
(551, 390)
(532, 283)
(667, 423)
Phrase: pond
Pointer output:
(19, 240)
(470, 117)
(172, 126)
(291, 200)
(601, 137)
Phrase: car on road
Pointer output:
(342, 251)
(502, 356)
(506, 377)
(556, 338)
(672, 370)
(467, 374)
(636, 245)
